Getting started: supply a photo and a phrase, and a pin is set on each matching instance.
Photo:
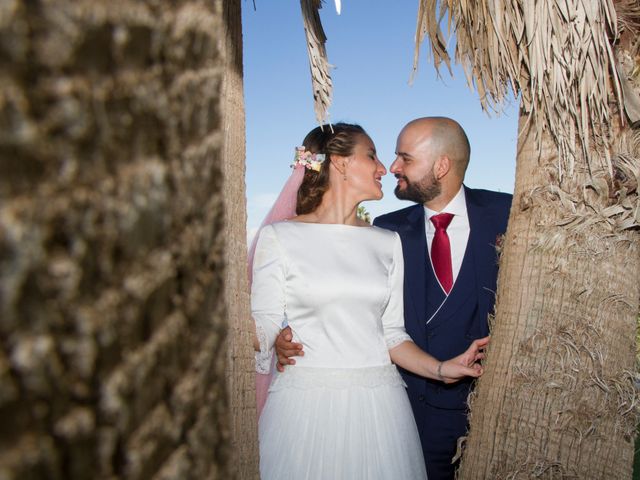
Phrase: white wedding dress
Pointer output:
(342, 411)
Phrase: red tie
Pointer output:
(441, 250)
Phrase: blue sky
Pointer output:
(371, 46)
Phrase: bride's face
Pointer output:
(364, 171)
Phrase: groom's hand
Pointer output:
(285, 349)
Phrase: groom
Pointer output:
(448, 242)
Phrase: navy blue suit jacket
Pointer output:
(447, 329)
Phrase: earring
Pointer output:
(344, 176)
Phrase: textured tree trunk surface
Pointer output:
(557, 399)
(240, 357)
(113, 252)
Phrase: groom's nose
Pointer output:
(395, 166)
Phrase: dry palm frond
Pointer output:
(604, 212)
(628, 57)
(556, 54)
(631, 96)
(320, 78)
(628, 12)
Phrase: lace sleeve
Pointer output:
(267, 295)
(265, 355)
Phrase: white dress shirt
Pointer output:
(458, 230)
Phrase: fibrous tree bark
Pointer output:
(240, 370)
(558, 399)
(113, 314)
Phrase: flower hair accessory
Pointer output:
(311, 161)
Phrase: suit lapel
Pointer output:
(415, 248)
(482, 241)
(461, 293)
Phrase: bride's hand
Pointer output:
(466, 364)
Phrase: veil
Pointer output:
(283, 208)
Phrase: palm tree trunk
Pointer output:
(240, 369)
(557, 399)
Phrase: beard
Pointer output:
(422, 191)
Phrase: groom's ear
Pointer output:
(442, 166)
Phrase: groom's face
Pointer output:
(414, 167)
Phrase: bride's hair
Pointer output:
(339, 141)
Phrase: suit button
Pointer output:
(421, 398)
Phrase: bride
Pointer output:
(341, 412)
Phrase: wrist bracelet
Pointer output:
(439, 372)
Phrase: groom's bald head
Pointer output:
(441, 136)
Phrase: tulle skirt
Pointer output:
(333, 424)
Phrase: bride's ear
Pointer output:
(339, 163)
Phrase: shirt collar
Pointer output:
(457, 206)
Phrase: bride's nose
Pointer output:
(381, 169)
